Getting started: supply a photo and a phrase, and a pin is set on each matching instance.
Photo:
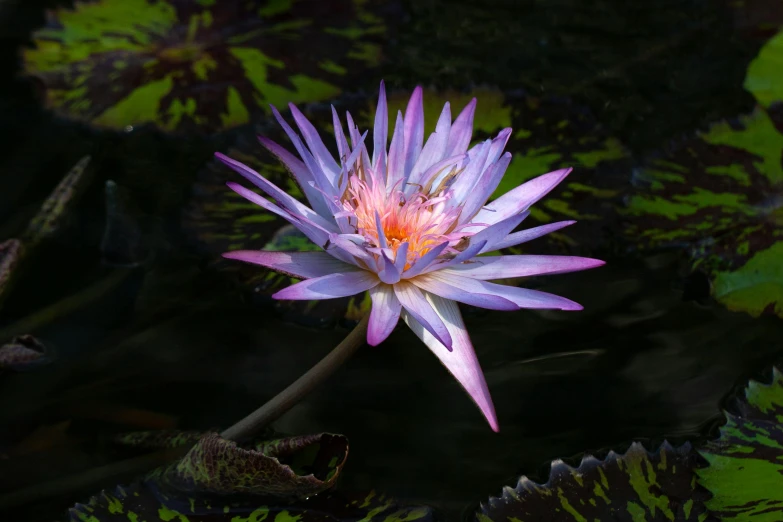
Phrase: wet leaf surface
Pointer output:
(636, 486)
(185, 65)
(145, 504)
(292, 467)
(744, 472)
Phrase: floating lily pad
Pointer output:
(206, 65)
(638, 486)
(23, 353)
(293, 467)
(550, 134)
(721, 195)
(745, 472)
(141, 503)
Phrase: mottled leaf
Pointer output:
(139, 503)
(184, 64)
(159, 439)
(551, 134)
(50, 217)
(10, 254)
(745, 472)
(293, 467)
(23, 353)
(637, 486)
(720, 193)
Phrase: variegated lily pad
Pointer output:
(291, 467)
(745, 472)
(141, 503)
(721, 195)
(207, 65)
(637, 486)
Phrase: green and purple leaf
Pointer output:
(720, 194)
(292, 467)
(745, 472)
(200, 65)
(637, 486)
(140, 503)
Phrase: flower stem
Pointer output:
(286, 399)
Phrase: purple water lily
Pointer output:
(410, 225)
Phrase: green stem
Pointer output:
(286, 399)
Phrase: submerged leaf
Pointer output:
(10, 254)
(49, 218)
(637, 486)
(745, 473)
(205, 65)
(292, 467)
(144, 504)
(721, 193)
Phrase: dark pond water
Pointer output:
(175, 342)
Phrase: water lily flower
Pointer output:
(409, 225)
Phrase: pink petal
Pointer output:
(520, 198)
(414, 129)
(380, 131)
(425, 261)
(315, 234)
(396, 167)
(484, 187)
(384, 314)
(302, 175)
(315, 144)
(501, 267)
(490, 295)
(415, 304)
(462, 130)
(281, 197)
(329, 286)
(434, 150)
(461, 361)
(524, 236)
(302, 265)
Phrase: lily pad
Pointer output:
(745, 473)
(200, 65)
(292, 467)
(637, 486)
(142, 503)
(721, 195)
